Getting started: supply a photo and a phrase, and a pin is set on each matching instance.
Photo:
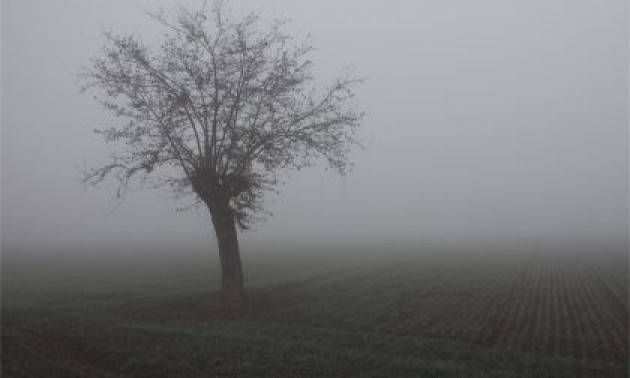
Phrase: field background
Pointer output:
(382, 312)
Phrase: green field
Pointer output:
(345, 314)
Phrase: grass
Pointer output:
(327, 315)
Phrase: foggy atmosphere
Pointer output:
(478, 227)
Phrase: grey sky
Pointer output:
(485, 120)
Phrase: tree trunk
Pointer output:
(229, 254)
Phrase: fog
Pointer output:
(487, 121)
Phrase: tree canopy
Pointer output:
(225, 104)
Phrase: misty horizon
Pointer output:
(485, 123)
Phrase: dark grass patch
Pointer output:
(212, 306)
(383, 320)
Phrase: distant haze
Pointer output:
(487, 120)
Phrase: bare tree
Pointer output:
(219, 109)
